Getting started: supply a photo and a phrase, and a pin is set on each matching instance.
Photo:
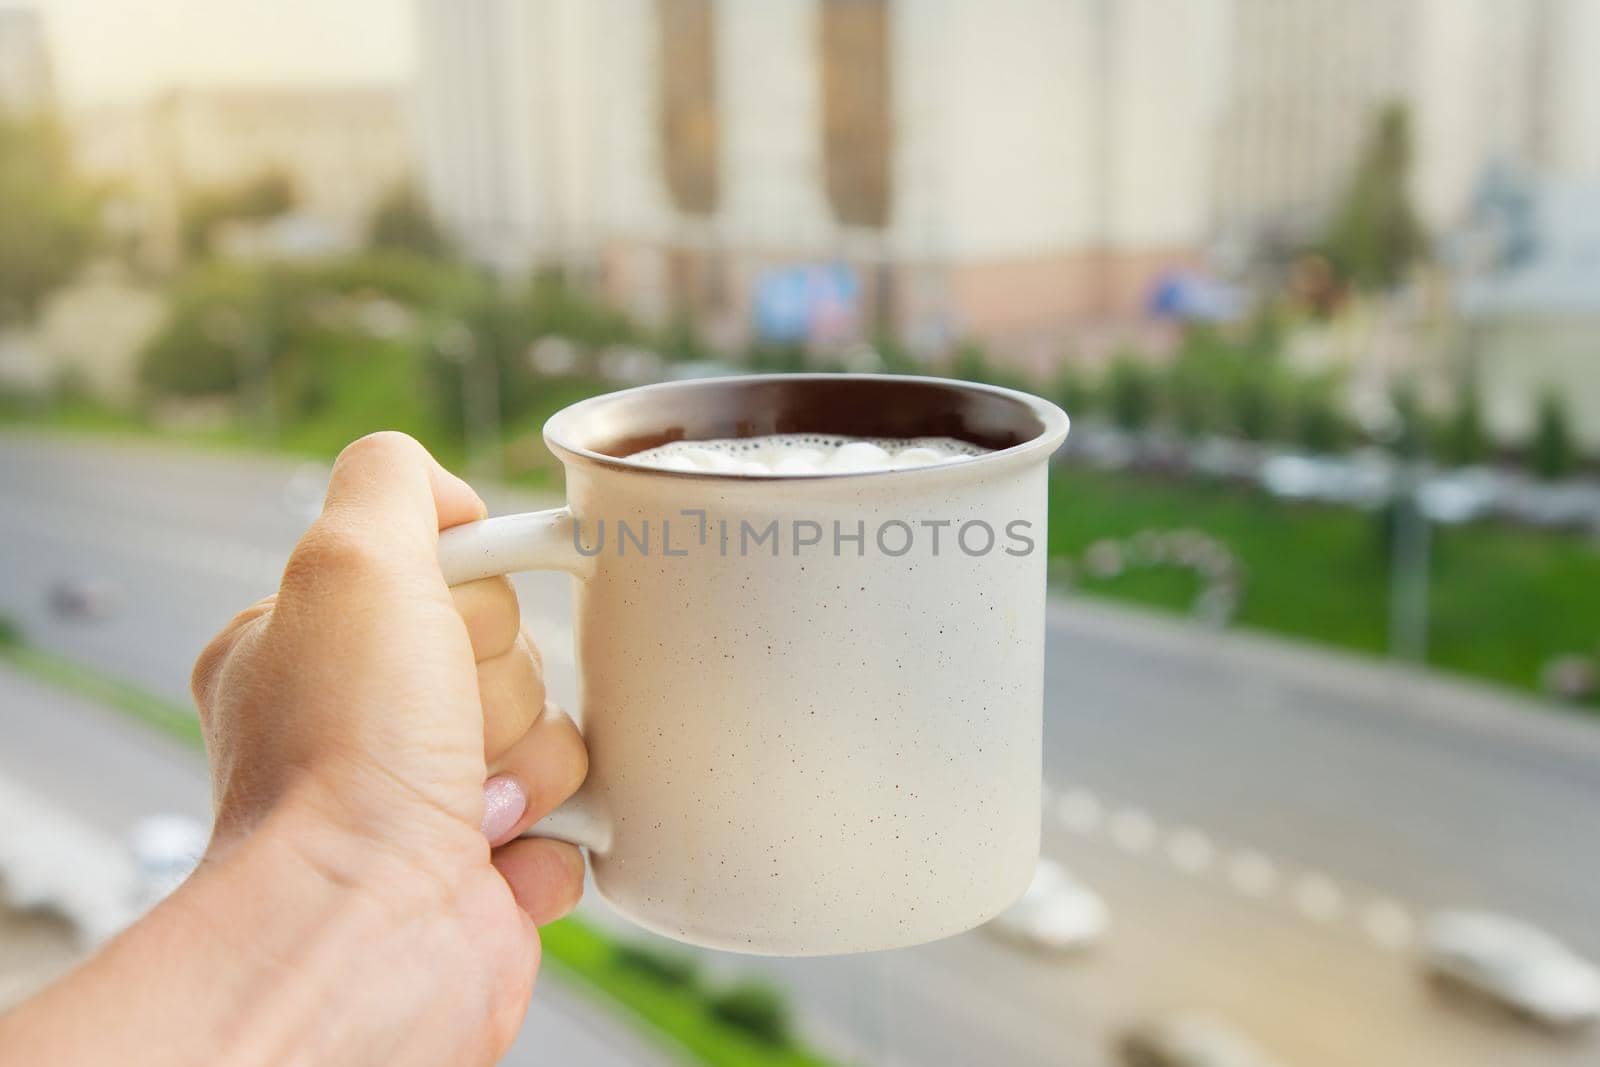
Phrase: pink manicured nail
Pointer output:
(504, 801)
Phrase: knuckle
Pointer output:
(329, 549)
(208, 665)
(202, 679)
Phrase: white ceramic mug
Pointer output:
(812, 704)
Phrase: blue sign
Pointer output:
(812, 302)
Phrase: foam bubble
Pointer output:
(806, 453)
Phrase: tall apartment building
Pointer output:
(26, 84)
(1015, 169)
(1001, 169)
(1482, 80)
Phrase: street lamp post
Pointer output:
(1408, 576)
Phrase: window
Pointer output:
(689, 135)
(855, 109)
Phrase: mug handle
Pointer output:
(536, 541)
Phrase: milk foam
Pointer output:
(806, 453)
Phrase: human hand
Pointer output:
(355, 718)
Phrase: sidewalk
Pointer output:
(88, 773)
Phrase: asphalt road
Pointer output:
(1267, 822)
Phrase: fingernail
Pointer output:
(504, 801)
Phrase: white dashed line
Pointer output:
(1190, 851)
(1252, 873)
(1318, 898)
(1133, 830)
(1079, 811)
(1388, 923)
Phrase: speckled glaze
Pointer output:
(802, 753)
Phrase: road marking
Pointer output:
(1079, 811)
(1388, 923)
(1133, 830)
(1190, 851)
(1252, 873)
(1318, 898)
(1385, 921)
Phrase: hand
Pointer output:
(362, 710)
(377, 742)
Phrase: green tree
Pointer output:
(1252, 405)
(1552, 452)
(1072, 391)
(1375, 235)
(1464, 441)
(1319, 426)
(47, 216)
(971, 362)
(1190, 390)
(262, 197)
(757, 1009)
(402, 222)
(197, 351)
(1130, 391)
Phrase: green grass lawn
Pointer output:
(1503, 599)
(678, 1011)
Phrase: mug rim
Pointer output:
(1054, 426)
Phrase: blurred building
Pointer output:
(1020, 170)
(1005, 170)
(1481, 80)
(341, 149)
(1530, 303)
(26, 85)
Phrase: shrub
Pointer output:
(666, 967)
(758, 1010)
(1463, 441)
(10, 633)
(1552, 453)
(1319, 426)
(1190, 397)
(1130, 393)
(403, 222)
(1072, 391)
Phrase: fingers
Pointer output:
(489, 608)
(511, 690)
(387, 500)
(207, 668)
(545, 876)
(549, 762)
(390, 474)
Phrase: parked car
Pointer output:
(1057, 913)
(1513, 964)
(84, 599)
(1188, 1040)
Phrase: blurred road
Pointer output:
(1267, 822)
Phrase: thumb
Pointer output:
(387, 500)
(390, 479)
